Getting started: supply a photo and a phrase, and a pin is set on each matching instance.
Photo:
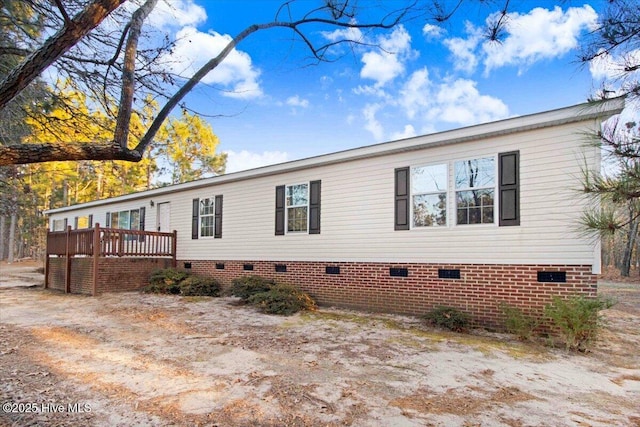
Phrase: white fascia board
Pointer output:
(576, 113)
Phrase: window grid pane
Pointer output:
(207, 217)
(297, 219)
(475, 206)
(297, 199)
(429, 195)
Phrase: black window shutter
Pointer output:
(280, 210)
(66, 223)
(195, 213)
(402, 198)
(90, 220)
(509, 188)
(142, 212)
(217, 227)
(314, 208)
(75, 223)
(107, 221)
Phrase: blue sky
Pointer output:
(270, 105)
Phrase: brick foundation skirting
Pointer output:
(114, 274)
(415, 289)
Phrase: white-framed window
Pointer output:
(59, 224)
(207, 217)
(429, 195)
(126, 220)
(297, 207)
(83, 222)
(475, 184)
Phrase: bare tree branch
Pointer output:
(54, 47)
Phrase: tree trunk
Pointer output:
(2, 237)
(72, 32)
(12, 237)
(625, 265)
(36, 153)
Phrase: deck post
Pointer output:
(96, 258)
(174, 246)
(46, 263)
(67, 268)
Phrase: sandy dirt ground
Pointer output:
(135, 359)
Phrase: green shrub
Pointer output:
(177, 282)
(449, 318)
(518, 323)
(577, 319)
(282, 299)
(246, 286)
(168, 277)
(200, 286)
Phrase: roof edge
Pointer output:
(576, 113)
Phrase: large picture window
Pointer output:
(207, 217)
(297, 207)
(126, 220)
(475, 190)
(429, 195)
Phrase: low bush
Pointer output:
(518, 323)
(282, 299)
(577, 319)
(246, 286)
(448, 318)
(200, 286)
(177, 282)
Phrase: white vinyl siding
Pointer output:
(358, 209)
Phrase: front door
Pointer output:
(164, 217)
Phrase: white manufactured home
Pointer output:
(467, 218)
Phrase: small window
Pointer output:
(429, 195)
(207, 217)
(281, 268)
(297, 201)
(475, 189)
(59, 225)
(247, 267)
(219, 266)
(83, 222)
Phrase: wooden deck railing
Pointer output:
(99, 243)
(111, 242)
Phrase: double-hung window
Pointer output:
(126, 220)
(475, 181)
(207, 217)
(429, 195)
(297, 207)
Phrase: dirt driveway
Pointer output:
(132, 359)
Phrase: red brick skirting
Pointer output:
(369, 286)
(114, 274)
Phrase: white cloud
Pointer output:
(296, 101)
(236, 74)
(463, 50)
(460, 102)
(414, 96)
(176, 13)
(387, 62)
(537, 35)
(371, 123)
(432, 31)
(350, 33)
(243, 160)
(607, 67)
(540, 34)
(407, 132)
